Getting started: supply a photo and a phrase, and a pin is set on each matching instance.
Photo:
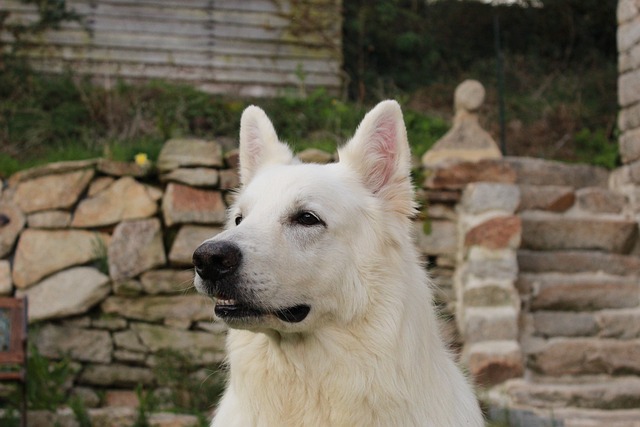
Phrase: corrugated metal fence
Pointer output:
(244, 47)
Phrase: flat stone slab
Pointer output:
(124, 199)
(136, 246)
(456, 175)
(534, 171)
(59, 191)
(203, 348)
(66, 293)
(167, 281)
(178, 153)
(158, 308)
(50, 169)
(543, 231)
(442, 238)
(42, 252)
(577, 262)
(564, 324)
(183, 204)
(86, 345)
(553, 198)
(503, 232)
(13, 222)
(600, 200)
(49, 219)
(187, 240)
(492, 362)
(580, 291)
(483, 196)
(196, 177)
(116, 375)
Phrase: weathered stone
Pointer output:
(543, 231)
(167, 281)
(623, 392)
(232, 159)
(110, 323)
(313, 155)
(129, 340)
(201, 347)
(630, 145)
(81, 288)
(156, 308)
(600, 200)
(564, 324)
(466, 140)
(116, 375)
(579, 356)
(496, 233)
(626, 10)
(115, 168)
(441, 239)
(456, 175)
(495, 264)
(12, 222)
(628, 83)
(533, 171)
(42, 252)
(629, 117)
(58, 191)
(182, 204)
(189, 152)
(577, 262)
(127, 287)
(121, 398)
(187, 240)
(51, 169)
(99, 184)
(493, 362)
(49, 219)
(197, 177)
(490, 323)
(124, 199)
(581, 291)
(80, 344)
(229, 179)
(6, 286)
(554, 198)
(129, 357)
(482, 197)
(129, 256)
(619, 324)
(87, 396)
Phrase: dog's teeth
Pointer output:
(226, 302)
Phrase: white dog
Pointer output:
(329, 307)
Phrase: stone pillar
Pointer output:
(627, 178)
(488, 304)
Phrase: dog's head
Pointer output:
(304, 241)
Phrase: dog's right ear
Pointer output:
(259, 144)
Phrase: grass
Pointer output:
(47, 118)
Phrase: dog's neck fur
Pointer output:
(332, 383)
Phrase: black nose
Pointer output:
(214, 260)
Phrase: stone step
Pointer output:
(590, 392)
(576, 262)
(519, 416)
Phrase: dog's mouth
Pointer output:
(231, 309)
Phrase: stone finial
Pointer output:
(466, 140)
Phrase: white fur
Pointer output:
(369, 353)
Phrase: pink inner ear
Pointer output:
(383, 149)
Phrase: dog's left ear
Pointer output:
(259, 144)
(379, 152)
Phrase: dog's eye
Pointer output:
(307, 219)
(238, 219)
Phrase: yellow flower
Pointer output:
(141, 159)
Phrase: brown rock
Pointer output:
(129, 257)
(564, 324)
(187, 240)
(6, 286)
(189, 152)
(229, 179)
(196, 177)
(80, 344)
(630, 146)
(12, 222)
(232, 159)
(116, 375)
(542, 231)
(42, 252)
(99, 184)
(122, 200)
(313, 155)
(496, 233)
(442, 237)
(51, 169)
(167, 281)
(49, 219)
(554, 198)
(182, 204)
(157, 308)
(490, 323)
(121, 398)
(533, 171)
(456, 175)
(577, 262)
(493, 362)
(58, 191)
(580, 356)
(114, 168)
(600, 200)
(487, 196)
(582, 291)
(619, 324)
